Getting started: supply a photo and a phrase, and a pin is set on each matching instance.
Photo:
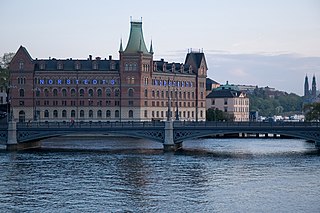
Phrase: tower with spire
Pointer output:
(314, 87)
(306, 87)
(135, 69)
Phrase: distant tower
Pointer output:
(306, 87)
(314, 87)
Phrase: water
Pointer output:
(134, 175)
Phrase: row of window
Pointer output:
(82, 114)
(77, 65)
(108, 114)
(108, 93)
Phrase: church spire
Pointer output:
(306, 87)
(314, 87)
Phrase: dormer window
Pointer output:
(77, 66)
(164, 67)
(173, 68)
(113, 66)
(42, 66)
(181, 68)
(190, 69)
(155, 67)
(60, 66)
(95, 65)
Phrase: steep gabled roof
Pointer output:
(23, 50)
(195, 59)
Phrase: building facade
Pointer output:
(133, 88)
(231, 101)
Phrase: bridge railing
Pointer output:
(89, 124)
(244, 124)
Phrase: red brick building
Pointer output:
(134, 88)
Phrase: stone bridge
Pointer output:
(18, 136)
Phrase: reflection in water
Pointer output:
(134, 175)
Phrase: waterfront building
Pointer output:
(230, 100)
(134, 87)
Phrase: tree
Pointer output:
(6, 59)
(312, 111)
(214, 114)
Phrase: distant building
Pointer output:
(228, 99)
(310, 96)
(248, 89)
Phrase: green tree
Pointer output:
(312, 111)
(214, 114)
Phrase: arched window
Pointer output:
(73, 113)
(99, 91)
(130, 92)
(90, 92)
(38, 93)
(130, 114)
(162, 94)
(22, 116)
(153, 93)
(64, 113)
(117, 114)
(73, 92)
(108, 114)
(117, 92)
(99, 113)
(46, 92)
(55, 92)
(108, 92)
(46, 114)
(64, 92)
(21, 92)
(81, 92)
(126, 67)
(134, 68)
(145, 93)
(81, 113)
(55, 113)
(90, 114)
(158, 94)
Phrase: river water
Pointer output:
(135, 175)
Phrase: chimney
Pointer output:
(98, 58)
(110, 57)
(90, 57)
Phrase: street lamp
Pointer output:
(177, 107)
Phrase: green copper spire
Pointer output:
(136, 41)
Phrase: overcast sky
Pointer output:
(271, 43)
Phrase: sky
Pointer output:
(273, 43)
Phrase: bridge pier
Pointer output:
(169, 144)
(12, 143)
